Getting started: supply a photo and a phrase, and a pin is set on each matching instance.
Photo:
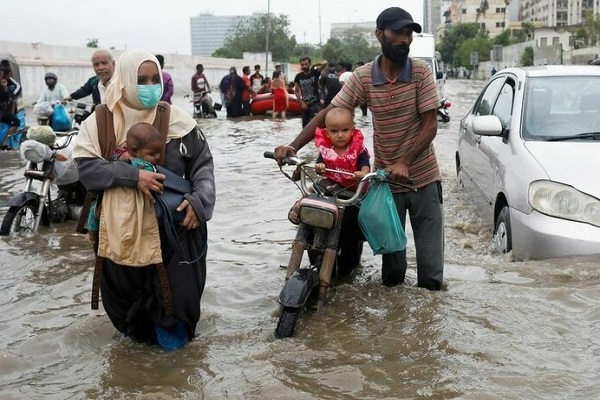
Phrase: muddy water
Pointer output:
(500, 330)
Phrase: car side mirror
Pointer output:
(487, 125)
(439, 75)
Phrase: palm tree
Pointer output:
(483, 7)
(506, 4)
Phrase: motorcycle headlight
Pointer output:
(318, 213)
(563, 201)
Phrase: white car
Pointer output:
(529, 154)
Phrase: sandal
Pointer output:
(293, 213)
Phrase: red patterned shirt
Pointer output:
(396, 107)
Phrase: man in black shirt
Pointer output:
(306, 88)
(330, 84)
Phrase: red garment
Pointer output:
(247, 93)
(346, 162)
(279, 99)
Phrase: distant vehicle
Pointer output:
(423, 47)
(528, 152)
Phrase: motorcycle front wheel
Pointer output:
(287, 322)
(18, 219)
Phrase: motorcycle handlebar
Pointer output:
(293, 160)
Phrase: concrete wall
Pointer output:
(73, 67)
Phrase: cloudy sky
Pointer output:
(164, 26)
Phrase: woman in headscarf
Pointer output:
(132, 242)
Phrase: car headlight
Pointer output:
(563, 201)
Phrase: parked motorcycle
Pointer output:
(329, 233)
(52, 191)
(203, 105)
(443, 113)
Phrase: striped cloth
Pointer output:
(396, 108)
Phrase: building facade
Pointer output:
(492, 16)
(557, 12)
(209, 32)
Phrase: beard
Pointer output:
(395, 53)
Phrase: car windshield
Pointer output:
(562, 108)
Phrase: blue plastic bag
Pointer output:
(379, 220)
(61, 120)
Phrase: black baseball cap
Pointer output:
(396, 18)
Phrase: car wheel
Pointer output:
(503, 235)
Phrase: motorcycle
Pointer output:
(328, 231)
(52, 191)
(203, 105)
(77, 111)
(442, 112)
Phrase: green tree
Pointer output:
(579, 38)
(251, 36)
(452, 37)
(528, 29)
(480, 44)
(335, 50)
(305, 50)
(92, 43)
(591, 24)
(527, 56)
(503, 39)
(351, 47)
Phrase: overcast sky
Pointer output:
(164, 26)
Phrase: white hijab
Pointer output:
(122, 100)
(129, 233)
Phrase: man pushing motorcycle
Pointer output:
(402, 96)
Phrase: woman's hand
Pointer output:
(190, 221)
(149, 182)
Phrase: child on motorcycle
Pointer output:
(142, 149)
(343, 158)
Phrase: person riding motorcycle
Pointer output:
(54, 93)
(104, 67)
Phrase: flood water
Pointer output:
(500, 329)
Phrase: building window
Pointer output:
(543, 42)
(464, 10)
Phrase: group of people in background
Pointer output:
(10, 92)
(313, 87)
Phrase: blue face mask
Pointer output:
(149, 95)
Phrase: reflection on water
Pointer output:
(500, 330)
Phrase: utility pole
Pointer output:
(267, 39)
(320, 23)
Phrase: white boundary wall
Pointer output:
(73, 67)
